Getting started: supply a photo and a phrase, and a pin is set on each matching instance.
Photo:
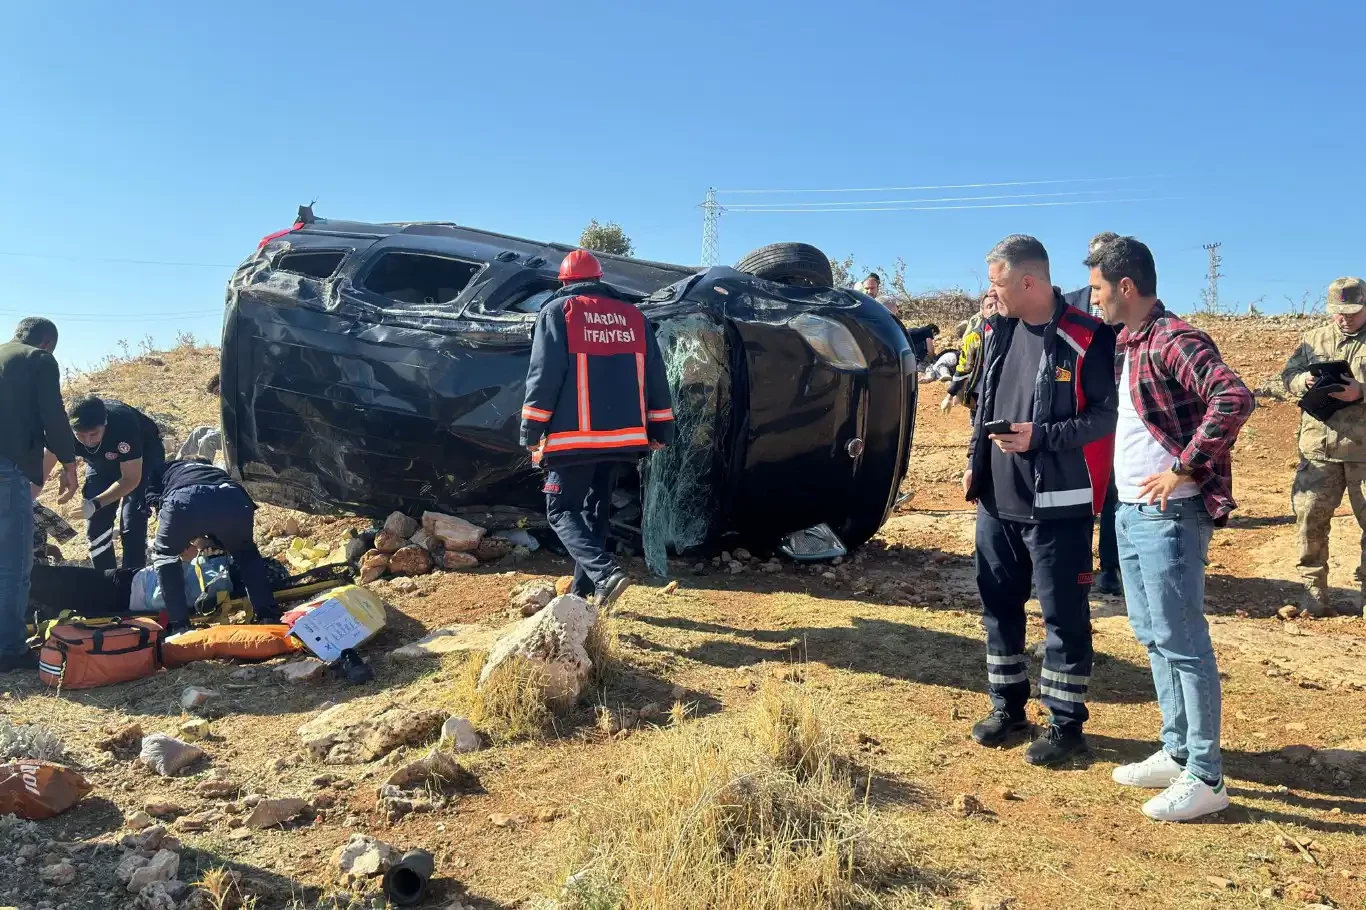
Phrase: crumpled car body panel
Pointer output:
(337, 398)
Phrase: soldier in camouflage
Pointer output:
(1332, 451)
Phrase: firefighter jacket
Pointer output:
(1075, 410)
(1341, 437)
(596, 389)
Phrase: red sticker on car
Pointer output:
(552, 488)
(1085, 578)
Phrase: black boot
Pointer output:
(612, 588)
(1056, 746)
(999, 727)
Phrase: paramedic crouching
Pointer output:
(195, 499)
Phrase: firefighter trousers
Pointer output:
(578, 505)
(1056, 557)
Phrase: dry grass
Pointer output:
(790, 732)
(603, 646)
(716, 819)
(511, 705)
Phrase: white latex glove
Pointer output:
(89, 507)
(947, 404)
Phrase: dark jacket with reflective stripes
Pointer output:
(1075, 410)
(596, 389)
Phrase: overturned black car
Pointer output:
(372, 367)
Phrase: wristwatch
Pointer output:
(1181, 470)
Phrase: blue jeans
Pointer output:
(16, 556)
(1162, 556)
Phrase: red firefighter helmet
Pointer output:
(580, 265)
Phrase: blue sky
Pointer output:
(182, 133)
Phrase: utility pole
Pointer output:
(1212, 294)
(711, 214)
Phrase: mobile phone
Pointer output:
(997, 427)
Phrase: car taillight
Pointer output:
(269, 237)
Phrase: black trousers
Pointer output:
(578, 505)
(227, 514)
(1056, 557)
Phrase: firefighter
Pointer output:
(197, 500)
(123, 452)
(597, 399)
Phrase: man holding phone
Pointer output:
(1038, 469)
(1332, 439)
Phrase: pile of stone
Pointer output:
(406, 547)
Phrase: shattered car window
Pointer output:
(419, 278)
(682, 483)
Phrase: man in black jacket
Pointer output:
(31, 419)
(1038, 467)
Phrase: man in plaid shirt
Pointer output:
(1180, 410)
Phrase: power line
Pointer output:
(109, 259)
(750, 206)
(946, 208)
(711, 244)
(956, 186)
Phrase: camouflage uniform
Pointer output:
(1332, 452)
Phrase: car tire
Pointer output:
(789, 263)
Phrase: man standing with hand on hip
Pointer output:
(1038, 467)
(1180, 410)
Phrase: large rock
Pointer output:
(437, 769)
(450, 640)
(271, 812)
(458, 561)
(339, 736)
(58, 874)
(422, 539)
(459, 735)
(531, 597)
(167, 755)
(130, 863)
(411, 560)
(492, 549)
(160, 896)
(373, 565)
(455, 534)
(162, 868)
(364, 857)
(399, 727)
(297, 671)
(401, 525)
(554, 639)
(388, 542)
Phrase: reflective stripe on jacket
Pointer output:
(596, 386)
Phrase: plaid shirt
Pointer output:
(1192, 402)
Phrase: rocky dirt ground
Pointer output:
(890, 642)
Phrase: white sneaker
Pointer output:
(1157, 772)
(1187, 798)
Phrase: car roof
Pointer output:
(630, 274)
